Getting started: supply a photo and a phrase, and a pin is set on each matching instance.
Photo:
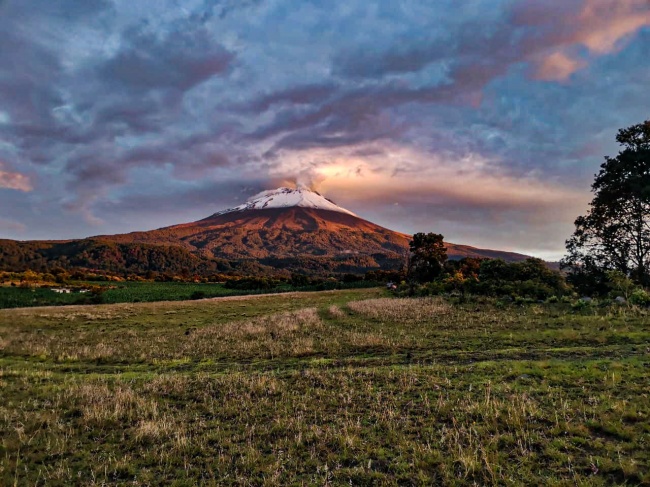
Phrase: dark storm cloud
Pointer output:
(401, 59)
(62, 10)
(25, 65)
(467, 58)
(179, 60)
(352, 116)
(74, 116)
(296, 95)
(222, 8)
(138, 115)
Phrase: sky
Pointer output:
(483, 120)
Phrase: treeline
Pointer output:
(103, 256)
(429, 272)
(78, 278)
(530, 279)
(171, 262)
(303, 282)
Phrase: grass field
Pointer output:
(141, 292)
(122, 292)
(144, 292)
(332, 388)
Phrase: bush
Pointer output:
(640, 297)
(581, 304)
(432, 289)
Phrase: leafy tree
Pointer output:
(615, 233)
(428, 256)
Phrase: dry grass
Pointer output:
(265, 336)
(408, 310)
(335, 312)
(410, 392)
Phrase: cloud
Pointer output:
(484, 111)
(599, 26)
(222, 8)
(544, 35)
(466, 200)
(7, 225)
(458, 65)
(179, 60)
(558, 66)
(470, 200)
(14, 180)
(309, 94)
(66, 11)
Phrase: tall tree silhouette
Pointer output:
(615, 233)
(428, 256)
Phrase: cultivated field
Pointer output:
(332, 388)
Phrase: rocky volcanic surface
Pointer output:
(289, 223)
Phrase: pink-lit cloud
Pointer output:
(598, 26)
(411, 176)
(412, 191)
(14, 180)
(144, 116)
(11, 226)
(558, 66)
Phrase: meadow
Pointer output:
(120, 292)
(346, 387)
(142, 292)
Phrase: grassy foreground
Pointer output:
(331, 388)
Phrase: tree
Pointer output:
(428, 256)
(615, 233)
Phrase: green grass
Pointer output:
(134, 292)
(142, 292)
(331, 388)
(117, 292)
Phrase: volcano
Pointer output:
(287, 222)
(282, 229)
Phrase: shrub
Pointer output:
(581, 304)
(640, 297)
(432, 289)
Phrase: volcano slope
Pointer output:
(285, 228)
(276, 232)
(291, 232)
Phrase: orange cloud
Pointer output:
(14, 180)
(410, 176)
(558, 66)
(605, 22)
(600, 26)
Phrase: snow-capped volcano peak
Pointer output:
(286, 198)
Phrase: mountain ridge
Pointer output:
(280, 229)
